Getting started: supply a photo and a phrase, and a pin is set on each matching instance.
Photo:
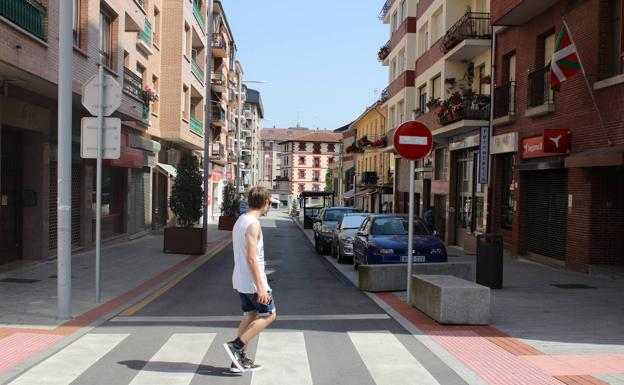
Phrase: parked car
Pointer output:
(342, 242)
(324, 225)
(382, 238)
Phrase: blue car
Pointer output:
(382, 239)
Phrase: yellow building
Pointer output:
(374, 166)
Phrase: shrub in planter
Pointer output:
(186, 204)
(230, 207)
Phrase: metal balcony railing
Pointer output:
(384, 95)
(504, 99)
(218, 114)
(133, 84)
(146, 34)
(384, 10)
(197, 70)
(473, 25)
(218, 41)
(369, 177)
(475, 108)
(384, 51)
(216, 150)
(196, 126)
(28, 14)
(198, 15)
(217, 79)
(539, 91)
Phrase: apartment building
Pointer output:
(253, 113)
(451, 94)
(124, 37)
(557, 184)
(306, 159)
(374, 162)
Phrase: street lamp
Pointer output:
(238, 125)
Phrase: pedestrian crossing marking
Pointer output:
(177, 360)
(388, 361)
(236, 318)
(68, 364)
(284, 358)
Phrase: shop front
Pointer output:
(504, 185)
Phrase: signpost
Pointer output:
(413, 141)
(101, 96)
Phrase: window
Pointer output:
(331, 147)
(76, 22)
(436, 25)
(330, 160)
(422, 98)
(402, 61)
(436, 87)
(393, 69)
(394, 23)
(156, 35)
(185, 102)
(302, 146)
(187, 40)
(316, 148)
(106, 38)
(391, 114)
(615, 49)
(156, 86)
(442, 164)
(400, 113)
(316, 188)
(423, 39)
(481, 74)
(508, 200)
(302, 160)
(403, 10)
(317, 162)
(301, 174)
(301, 187)
(315, 176)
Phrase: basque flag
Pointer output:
(565, 62)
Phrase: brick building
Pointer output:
(561, 205)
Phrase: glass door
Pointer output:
(465, 195)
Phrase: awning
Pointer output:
(349, 194)
(167, 169)
(365, 191)
(598, 157)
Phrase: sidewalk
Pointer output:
(538, 331)
(130, 271)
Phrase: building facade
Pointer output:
(253, 113)
(557, 185)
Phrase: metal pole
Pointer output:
(207, 120)
(410, 231)
(64, 151)
(98, 187)
(238, 132)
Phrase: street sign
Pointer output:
(413, 140)
(89, 138)
(91, 97)
(484, 155)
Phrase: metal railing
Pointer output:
(476, 108)
(384, 51)
(141, 3)
(384, 95)
(217, 150)
(384, 10)
(132, 83)
(146, 34)
(539, 91)
(218, 114)
(197, 70)
(504, 99)
(198, 15)
(28, 14)
(217, 79)
(218, 40)
(196, 126)
(473, 25)
(369, 177)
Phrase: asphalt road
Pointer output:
(327, 331)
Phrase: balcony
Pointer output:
(197, 71)
(246, 133)
(384, 10)
(218, 117)
(218, 81)
(465, 107)
(245, 152)
(133, 84)
(196, 126)
(384, 95)
(369, 178)
(29, 15)
(383, 53)
(517, 12)
(504, 99)
(540, 97)
(144, 41)
(219, 48)
(198, 16)
(468, 38)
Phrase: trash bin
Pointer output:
(490, 260)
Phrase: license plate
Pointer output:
(416, 258)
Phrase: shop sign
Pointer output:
(556, 141)
(129, 158)
(484, 155)
(216, 176)
(228, 175)
(504, 143)
(533, 147)
(440, 187)
(467, 142)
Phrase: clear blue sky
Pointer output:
(319, 57)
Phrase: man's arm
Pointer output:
(252, 236)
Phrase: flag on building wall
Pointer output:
(565, 62)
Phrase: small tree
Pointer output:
(329, 180)
(231, 201)
(187, 193)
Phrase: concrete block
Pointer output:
(393, 277)
(451, 300)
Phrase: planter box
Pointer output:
(184, 240)
(226, 223)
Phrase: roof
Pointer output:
(282, 133)
(368, 110)
(253, 97)
(343, 128)
(317, 136)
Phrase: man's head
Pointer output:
(259, 199)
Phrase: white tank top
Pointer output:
(242, 280)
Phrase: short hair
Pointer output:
(257, 196)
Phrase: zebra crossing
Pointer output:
(184, 359)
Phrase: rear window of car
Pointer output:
(397, 226)
(352, 221)
(334, 215)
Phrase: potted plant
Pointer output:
(433, 103)
(186, 204)
(230, 207)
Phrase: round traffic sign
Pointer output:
(413, 140)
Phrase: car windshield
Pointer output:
(352, 221)
(396, 226)
(334, 215)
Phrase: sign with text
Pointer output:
(413, 140)
(500, 144)
(484, 155)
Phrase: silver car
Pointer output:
(342, 242)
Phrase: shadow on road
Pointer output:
(178, 367)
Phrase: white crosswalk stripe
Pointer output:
(388, 361)
(284, 358)
(68, 364)
(164, 366)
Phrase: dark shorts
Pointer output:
(250, 305)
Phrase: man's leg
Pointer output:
(244, 324)
(256, 326)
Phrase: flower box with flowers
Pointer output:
(150, 95)
(381, 142)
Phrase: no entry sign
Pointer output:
(412, 140)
